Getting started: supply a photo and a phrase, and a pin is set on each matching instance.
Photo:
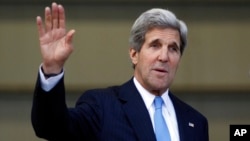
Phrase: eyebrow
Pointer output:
(158, 41)
(154, 41)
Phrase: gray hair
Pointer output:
(155, 18)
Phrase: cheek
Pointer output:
(147, 62)
(175, 62)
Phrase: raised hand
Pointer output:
(55, 43)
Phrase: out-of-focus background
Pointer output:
(213, 77)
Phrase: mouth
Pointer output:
(160, 70)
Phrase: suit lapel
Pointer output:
(185, 124)
(139, 118)
(136, 112)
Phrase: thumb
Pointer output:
(69, 36)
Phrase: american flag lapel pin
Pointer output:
(191, 124)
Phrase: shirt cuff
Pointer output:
(48, 84)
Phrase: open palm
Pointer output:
(55, 44)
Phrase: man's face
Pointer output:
(157, 61)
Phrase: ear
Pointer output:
(133, 55)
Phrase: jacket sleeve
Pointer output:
(54, 121)
(49, 113)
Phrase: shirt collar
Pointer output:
(148, 97)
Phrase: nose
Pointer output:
(163, 54)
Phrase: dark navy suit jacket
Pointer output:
(112, 114)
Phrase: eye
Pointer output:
(174, 48)
(155, 45)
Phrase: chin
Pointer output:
(159, 87)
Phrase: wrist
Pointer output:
(47, 75)
(51, 68)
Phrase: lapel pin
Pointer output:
(190, 124)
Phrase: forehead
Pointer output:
(164, 34)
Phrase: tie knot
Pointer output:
(158, 102)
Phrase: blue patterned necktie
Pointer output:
(161, 129)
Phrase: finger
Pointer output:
(48, 22)
(61, 16)
(54, 15)
(69, 37)
(40, 27)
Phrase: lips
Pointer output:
(161, 70)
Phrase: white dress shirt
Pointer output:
(48, 84)
(148, 98)
(168, 110)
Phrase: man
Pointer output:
(129, 112)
